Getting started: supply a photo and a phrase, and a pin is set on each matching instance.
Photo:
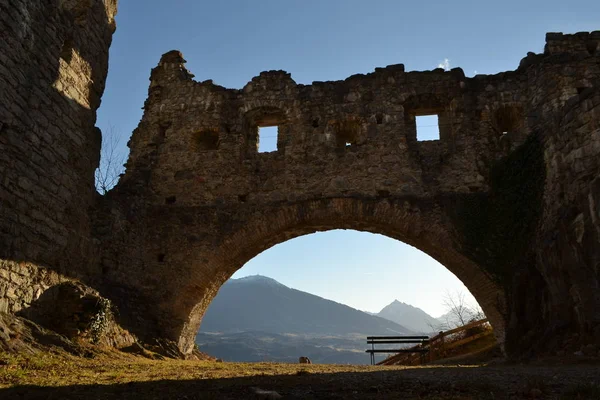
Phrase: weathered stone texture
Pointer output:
(507, 199)
(198, 200)
(53, 65)
(569, 237)
(21, 283)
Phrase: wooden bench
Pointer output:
(373, 340)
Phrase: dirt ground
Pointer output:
(108, 376)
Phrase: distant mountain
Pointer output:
(409, 316)
(258, 303)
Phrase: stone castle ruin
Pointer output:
(508, 198)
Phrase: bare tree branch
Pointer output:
(111, 162)
(458, 311)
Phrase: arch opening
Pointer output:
(311, 292)
(416, 226)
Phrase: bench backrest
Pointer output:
(397, 339)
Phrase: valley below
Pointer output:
(257, 319)
(285, 348)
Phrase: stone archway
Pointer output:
(419, 225)
(198, 199)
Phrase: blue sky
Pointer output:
(316, 40)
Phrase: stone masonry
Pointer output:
(518, 152)
(53, 65)
(508, 198)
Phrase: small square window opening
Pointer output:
(267, 139)
(428, 127)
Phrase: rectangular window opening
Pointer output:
(428, 127)
(267, 139)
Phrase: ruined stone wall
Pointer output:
(582, 43)
(53, 65)
(194, 162)
(198, 200)
(516, 223)
(558, 282)
(569, 239)
(374, 113)
(507, 199)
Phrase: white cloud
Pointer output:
(445, 64)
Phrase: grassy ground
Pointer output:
(114, 375)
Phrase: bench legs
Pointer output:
(373, 354)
